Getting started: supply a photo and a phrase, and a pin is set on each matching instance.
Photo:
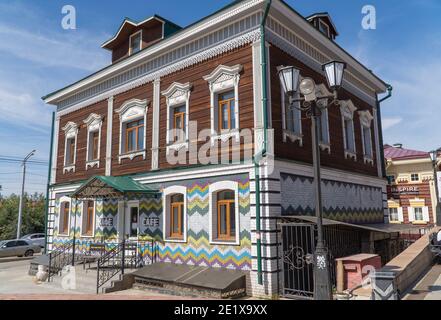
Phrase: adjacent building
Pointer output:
(138, 150)
(411, 191)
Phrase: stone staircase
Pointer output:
(79, 279)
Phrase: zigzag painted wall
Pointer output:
(197, 250)
(345, 202)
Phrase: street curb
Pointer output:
(4, 260)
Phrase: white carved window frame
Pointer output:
(70, 132)
(325, 144)
(291, 134)
(132, 110)
(176, 95)
(83, 209)
(63, 200)
(366, 123)
(347, 109)
(214, 188)
(221, 80)
(94, 123)
(166, 195)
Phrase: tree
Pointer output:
(33, 215)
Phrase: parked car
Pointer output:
(35, 238)
(19, 248)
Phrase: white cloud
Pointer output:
(69, 49)
(390, 122)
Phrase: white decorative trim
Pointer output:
(366, 123)
(109, 136)
(94, 123)
(227, 46)
(166, 193)
(155, 124)
(54, 154)
(131, 155)
(377, 143)
(325, 147)
(257, 97)
(132, 110)
(225, 136)
(347, 110)
(287, 134)
(213, 189)
(70, 132)
(177, 146)
(222, 79)
(177, 94)
(61, 201)
(93, 220)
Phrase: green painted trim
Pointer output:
(46, 218)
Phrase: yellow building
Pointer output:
(411, 190)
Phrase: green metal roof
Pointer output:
(106, 186)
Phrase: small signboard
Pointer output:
(106, 222)
(97, 247)
(151, 222)
(405, 190)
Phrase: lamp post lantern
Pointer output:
(334, 73)
(434, 157)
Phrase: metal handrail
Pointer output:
(115, 261)
(59, 258)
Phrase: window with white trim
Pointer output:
(175, 213)
(323, 120)
(414, 177)
(366, 132)
(64, 216)
(94, 124)
(224, 102)
(393, 215)
(132, 138)
(178, 107)
(224, 213)
(291, 118)
(88, 219)
(347, 109)
(70, 149)
(135, 42)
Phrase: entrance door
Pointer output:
(132, 221)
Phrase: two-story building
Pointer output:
(168, 142)
(411, 190)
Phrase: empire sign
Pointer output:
(405, 190)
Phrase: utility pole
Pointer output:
(20, 208)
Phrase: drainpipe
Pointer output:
(261, 154)
(46, 218)
(380, 126)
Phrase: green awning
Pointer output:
(110, 187)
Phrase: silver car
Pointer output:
(12, 248)
(35, 238)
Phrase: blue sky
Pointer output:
(37, 57)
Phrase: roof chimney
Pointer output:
(398, 145)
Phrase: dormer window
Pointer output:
(324, 28)
(135, 42)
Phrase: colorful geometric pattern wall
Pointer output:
(198, 250)
(347, 202)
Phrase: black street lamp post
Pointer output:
(290, 78)
(434, 157)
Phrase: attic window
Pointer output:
(135, 42)
(324, 28)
